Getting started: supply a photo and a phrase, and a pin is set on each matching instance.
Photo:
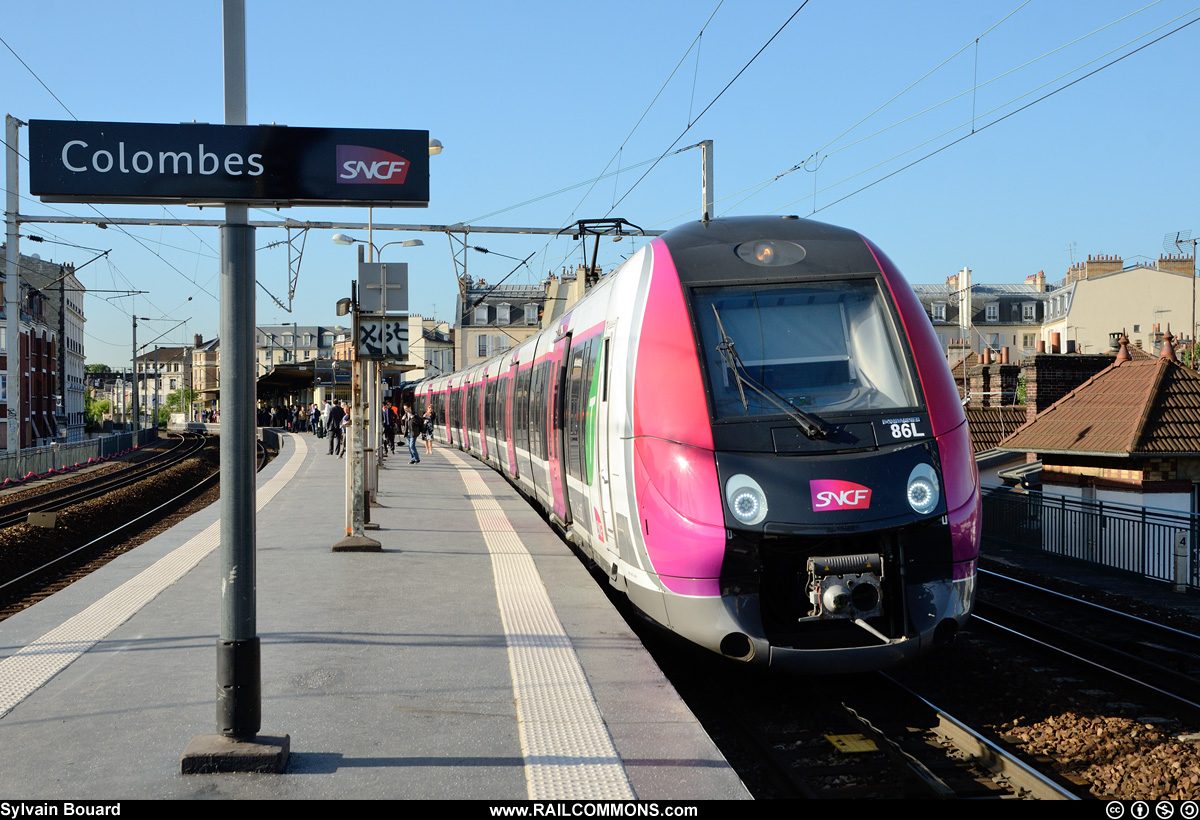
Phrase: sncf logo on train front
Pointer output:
(357, 164)
(832, 494)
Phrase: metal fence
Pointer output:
(41, 460)
(1158, 544)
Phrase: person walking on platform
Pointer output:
(427, 430)
(410, 428)
(334, 425)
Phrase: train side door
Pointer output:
(603, 457)
(554, 426)
(510, 386)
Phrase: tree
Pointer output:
(95, 368)
(94, 411)
(178, 401)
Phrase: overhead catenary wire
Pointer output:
(1005, 117)
(711, 103)
(822, 154)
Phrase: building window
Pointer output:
(939, 311)
(992, 312)
(481, 345)
(308, 337)
(1029, 311)
(1029, 341)
(531, 314)
(481, 312)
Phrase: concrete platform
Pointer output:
(472, 658)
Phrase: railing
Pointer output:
(1140, 540)
(41, 460)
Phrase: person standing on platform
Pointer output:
(389, 428)
(410, 428)
(427, 430)
(334, 426)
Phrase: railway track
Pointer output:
(54, 498)
(864, 736)
(22, 588)
(941, 755)
(1158, 661)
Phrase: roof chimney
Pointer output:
(1123, 352)
(1168, 346)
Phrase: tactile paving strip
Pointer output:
(27, 670)
(568, 751)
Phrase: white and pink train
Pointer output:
(751, 428)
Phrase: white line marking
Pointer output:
(32, 667)
(569, 754)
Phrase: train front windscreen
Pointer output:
(819, 347)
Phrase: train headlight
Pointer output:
(923, 490)
(746, 499)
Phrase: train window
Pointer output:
(820, 346)
(575, 412)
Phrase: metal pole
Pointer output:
(239, 697)
(356, 490)
(136, 381)
(12, 289)
(706, 179)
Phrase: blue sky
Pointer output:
(530, 98)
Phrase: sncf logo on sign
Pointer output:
(832, 494)
(359, 165)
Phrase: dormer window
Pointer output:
(1029, 311)
(481, 314)
(992, 312)
(503, 313)
(531, 314)
(939, 311)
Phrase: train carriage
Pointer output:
(750, 427)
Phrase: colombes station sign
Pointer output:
(214, 164)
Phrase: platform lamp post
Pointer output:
(376, 398)
(356, 502)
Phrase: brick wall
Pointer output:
(994, 384)
(1050, 376)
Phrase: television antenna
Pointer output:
(1174, 243)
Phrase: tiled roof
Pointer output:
(991, 425)
(1138, 407)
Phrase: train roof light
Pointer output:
(769, 253)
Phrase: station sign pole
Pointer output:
(238, 166)
(237, 746)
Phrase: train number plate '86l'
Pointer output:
(903, 429)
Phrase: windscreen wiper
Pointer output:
(812, 426)
(729, 356)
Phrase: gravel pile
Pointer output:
(1122, 750)
(24, 547)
